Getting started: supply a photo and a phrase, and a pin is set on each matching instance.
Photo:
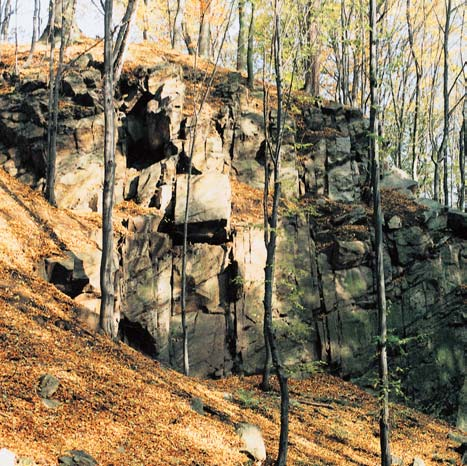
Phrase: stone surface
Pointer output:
(396, 178)
(418, 462)
(252, 440)
(457, 222)
(209, 201)
(77, 458)
(48, 385)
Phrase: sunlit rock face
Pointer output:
(324, 302)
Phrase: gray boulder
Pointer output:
(398, 179)
(252, 440)
(77, 458)
(48, 385)
(7, 457)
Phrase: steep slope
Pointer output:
(125, 409)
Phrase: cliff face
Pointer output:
(324, 299)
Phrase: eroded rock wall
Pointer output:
(324, 306)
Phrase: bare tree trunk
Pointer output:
(190, 45)
(145, 20)
(121, 43)
(35, 23)
(204, 38)
(381, 291)
(313, 70)
(463, 152)
(271, 242)
(447, 27)
(242, 37)
(51, 127)
(5, 26)
(177, 32)
(107, 319)
(418, 79)
(71, 27)
(251, 31)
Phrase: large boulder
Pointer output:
(209, 205)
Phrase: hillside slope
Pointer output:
(125, 409)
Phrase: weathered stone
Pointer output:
(77, 458)
(412, 244)
(92, 77)
(394, 223)
(252, 440)
(73, 84)
(209, 201)
(347, 254)
(48, 385)
(396, 178)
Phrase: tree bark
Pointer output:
(35, 22)
(271, 242)
(463, 153)
(107, 316)
(145, 20)
(377, 220)
(204, 38)
(447, 27)
(71, 27)
(312, 74)
(5, 26)
(418, 79)
(51, 126)
(250, 51)
(121, 43)
(177, 32)
(242, 37)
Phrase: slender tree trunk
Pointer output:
(444, 151)
(204, 29)
(121, 43)
(250, 51)
(35, 23)
(5, 27)
(178, 32)
(381, 291)
(418, 79)
(71, 27)
(463, 152)
(146, 20)
(190, 45)
(242, 37)
(313, 70)
(51, 127)
(107, 319)
(271, 243)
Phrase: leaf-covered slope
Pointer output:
(125, 409)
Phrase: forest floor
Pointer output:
(125, 409)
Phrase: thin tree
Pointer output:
(204, 38)
(463, 151)
(377, 220)
(273, 156)
(312, 73)
(121, 43)
(250, 51)
(106, 318)
(242, 37)
(5, 26)
(418, 79)
(71, 27)
(146, 20)
(35, 27)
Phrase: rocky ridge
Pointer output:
(324, 301)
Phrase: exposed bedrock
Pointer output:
(324, 305)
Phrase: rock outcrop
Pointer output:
(324, 306)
